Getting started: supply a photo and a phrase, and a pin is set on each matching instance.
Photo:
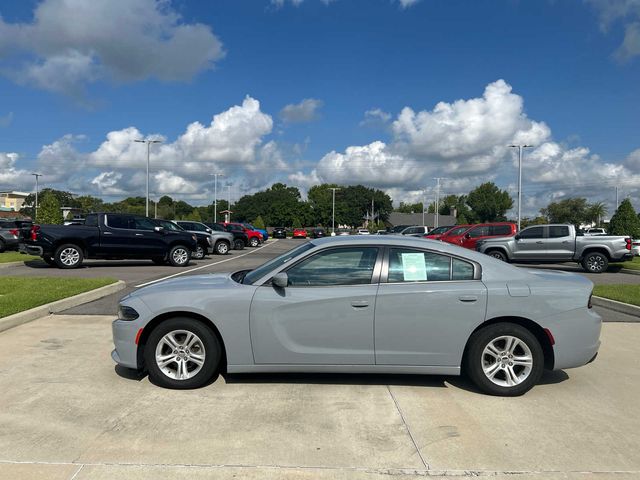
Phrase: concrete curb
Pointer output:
(630, 272)
(616, 306)
(59, 305)
(10, 264)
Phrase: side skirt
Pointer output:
(403, 369)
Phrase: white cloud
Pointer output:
(6, 120)
(305, 111)
(408, 3)
(633, 161)
(72, 43)
(626, 13)
(375, 116)
(11, 177)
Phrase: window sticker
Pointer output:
(413, 267)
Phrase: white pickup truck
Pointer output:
(559, 243)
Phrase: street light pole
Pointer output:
(37, 175)
(520, 147)
(424, 199)
(333, 212)
(215, 195)
(229, 198)
(437, 212)
(148, 142)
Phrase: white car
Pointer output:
(363, 231)
(635, 247)
(595, 231)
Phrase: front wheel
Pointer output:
(179, 256)
(68, 256)
(504, 359)
(595, 262)
(182, 353)
(497, 254)
(254, 242)
(222, 248)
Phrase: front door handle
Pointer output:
(468, 298)
(139, 234)
(565, 242)
(359, 304)
(540, 242)
(107, 233)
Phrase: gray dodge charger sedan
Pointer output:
(363, 305)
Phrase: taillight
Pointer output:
(629, 242)
(34, 232)
(589, 303)
(14, 231)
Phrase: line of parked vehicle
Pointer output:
(537, 244)
(117, 236)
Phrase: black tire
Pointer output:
(159, 260)
(208, 340)
(2, 246)
(49, 261)
(254, 242)
(221, 247)
(498, 254)
(68, 256)
(595, 262)
(238, 244)
(477, 360)
(199, 253)
(179, 256)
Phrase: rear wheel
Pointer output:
(595, 262)
(179, 256)
(504, 359)
(68, 256)
(254, 242)
(182, 353)
(199, 253)
(238, 244)
(498, 255)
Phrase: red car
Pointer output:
(468, 235)
(299, 233)
(438, 232)
(255, 237)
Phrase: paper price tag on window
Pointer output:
(413, 267)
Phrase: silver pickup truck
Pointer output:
(559, 243)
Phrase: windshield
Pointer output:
(262, 270)
(439, 230)
(458, 231)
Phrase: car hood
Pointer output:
(190, 283)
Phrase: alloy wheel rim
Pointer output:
(69, 256)
(199, 252)
(507, 361)
(497, 255)
(180, 255)
(222, 248)
(595, 263)
(180, 354)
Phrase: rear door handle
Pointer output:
(566, 241)
(540, 242)
(139, 234)
(468, 298)
(359, 304)
(107, 233)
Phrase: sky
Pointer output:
(386, 93)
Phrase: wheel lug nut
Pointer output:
(511, 364)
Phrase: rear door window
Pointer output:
(498, 230)
(557, 231)
(482, 231)
(407, 265)
(120, 221)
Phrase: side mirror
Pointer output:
(209, 230)
(517, 237)
(158, 229)
(280, 280)
(468, 235)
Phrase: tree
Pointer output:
(49, 211)
(90, 204)
(489, 203)
(570, 210)
(625, 221)
(65, 199)
(259, 223)
(596, 212)
(527, 222)
(409, 207)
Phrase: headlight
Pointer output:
(127, 313)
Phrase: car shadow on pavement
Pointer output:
(37, 264)
(129, 373)
(549, 377)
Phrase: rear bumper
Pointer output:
(30, 250)
(577, 337)
(627, 257)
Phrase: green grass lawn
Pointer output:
(632, 265)
(22, 293)
(7, 257)
(621, 293)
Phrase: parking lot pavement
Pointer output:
(65, 410)
(611, 276)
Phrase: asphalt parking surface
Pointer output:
(67, 412)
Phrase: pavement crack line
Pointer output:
(406, 425)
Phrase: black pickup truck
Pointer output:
(110, 236)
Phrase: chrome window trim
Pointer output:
(384, 277)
